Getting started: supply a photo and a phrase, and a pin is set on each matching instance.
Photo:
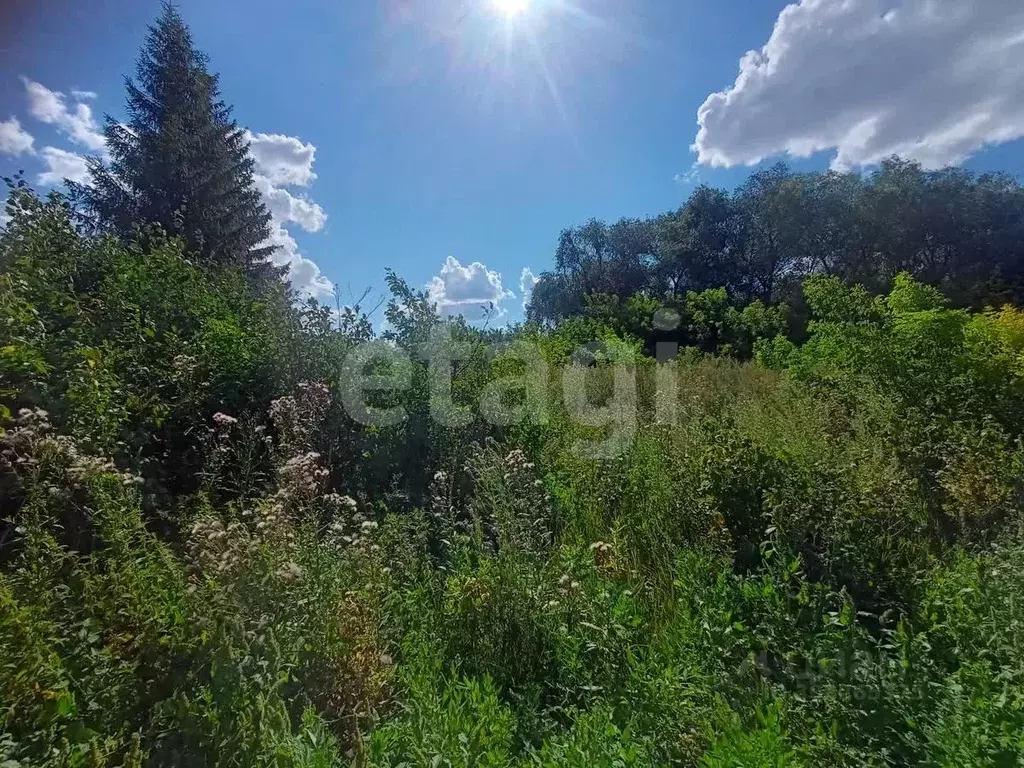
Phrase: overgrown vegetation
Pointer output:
(674, 523)
(206, 560)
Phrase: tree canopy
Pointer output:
(957, 230)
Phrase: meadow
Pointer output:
(796, 550)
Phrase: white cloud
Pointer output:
(466, 290)
(62, 165)
(287, 161)
(933, 80)
(14, 139)
(690, 178)
(78, 125)
(304, 274)
(527, 282)
(286, 207)
(83, 95)
(284, 160)
(4, 218)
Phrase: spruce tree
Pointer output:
(181, 160)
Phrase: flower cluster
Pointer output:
(31, 437)
(184, 365)
(517, 462)
(351, 527)
(216, 549)
(28, 429)
(223, 421)
(220, 437)
(567, 585)
(271, 521)
(237, 452)
(298, 416)
(440, 496)
(184, 369)
(448, 520)
(290, 573)
(301, 478)
(567, 589)
(344, 505)
(508, 507)
(525, 520)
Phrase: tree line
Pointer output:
(959, 231)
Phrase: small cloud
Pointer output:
(78, 124)
(62, 165)
(688, 179)
(527, 282)
(283, 160)
(14, 140)
(83, 95)
(467, 290)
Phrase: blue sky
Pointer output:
(399, 133)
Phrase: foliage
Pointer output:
(815, 558)
(952, 229)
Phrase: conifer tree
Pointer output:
(181, 160)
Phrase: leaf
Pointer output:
(66, 704)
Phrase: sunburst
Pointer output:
(516, 56)
(511, 9)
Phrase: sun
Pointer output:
(510, 9)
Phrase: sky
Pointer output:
(452, 140)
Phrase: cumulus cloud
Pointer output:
(304, 274)
(83, 95)
(14, 140)
(932, 80)
(527, 282)
(284, 160)
(288, 161)
(77, 124)
(62, 165)
(466, 290)
(286, 207)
